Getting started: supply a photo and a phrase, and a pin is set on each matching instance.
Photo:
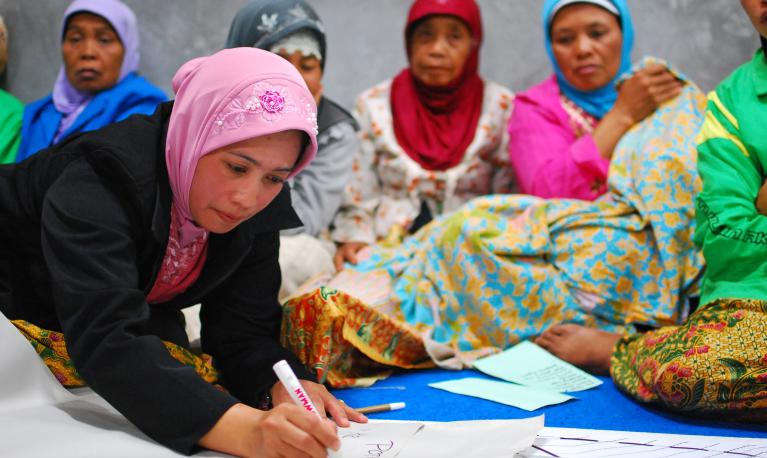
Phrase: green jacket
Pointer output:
(11, 111)
(732, 154)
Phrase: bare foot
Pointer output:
(588, 348)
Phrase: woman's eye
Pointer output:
(596, 34)
(238, 169)
(106, 40)
(275, 179)
(563, 40)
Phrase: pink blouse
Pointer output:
(551, 148)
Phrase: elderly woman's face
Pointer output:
(587, 41)
(439, 48)
(93, 53)
(757, 12)
(235, 182)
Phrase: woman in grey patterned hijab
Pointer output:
(292, 29)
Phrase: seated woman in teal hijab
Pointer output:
(97, 84)
(504, 268)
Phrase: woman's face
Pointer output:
(310, 69)
(757, 12)
(3, 46)
(439, 48)
(93, 53)
(587, 41)
(235, 182)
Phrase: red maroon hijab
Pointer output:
(435, 125)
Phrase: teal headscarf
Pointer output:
(599, 101)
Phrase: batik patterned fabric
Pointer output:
(503, 268)
(52, 349)
(713, 365)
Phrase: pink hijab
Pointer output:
(231, 96)
(234, 95)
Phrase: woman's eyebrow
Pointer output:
(257, 163)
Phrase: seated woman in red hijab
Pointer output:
(432, 138)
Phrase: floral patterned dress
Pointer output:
(504, 268)
(388, 188)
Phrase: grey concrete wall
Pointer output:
(706, 39)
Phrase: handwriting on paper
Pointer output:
(530, 365)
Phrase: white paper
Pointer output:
(373, 439)
(592, 443)
(39, 418)
(412, 439)
(26, 381)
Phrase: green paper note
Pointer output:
(503, 392)
(528, 364)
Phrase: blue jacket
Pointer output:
(41, 120)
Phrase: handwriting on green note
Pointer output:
(528, 364)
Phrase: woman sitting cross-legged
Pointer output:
(505, 268)
(432, 138)
(716, 363)
(292, 29)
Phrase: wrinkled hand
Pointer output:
(347, 252)
(761, 199)
(643, 93)
(326, 403)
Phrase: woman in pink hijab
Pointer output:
(110, 234)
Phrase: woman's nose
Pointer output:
(88, 49)
(584, 46)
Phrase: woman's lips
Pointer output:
(88, 74)
(227, 217)
(586, 70)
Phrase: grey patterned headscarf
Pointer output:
(263, 23)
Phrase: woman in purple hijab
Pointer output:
(97, 84)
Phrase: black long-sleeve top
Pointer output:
(83, 229)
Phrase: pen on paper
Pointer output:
(381, 408)
(297, 393)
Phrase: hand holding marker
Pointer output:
(298, 394)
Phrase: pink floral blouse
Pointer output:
(387, 186)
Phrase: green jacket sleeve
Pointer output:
(732, 234)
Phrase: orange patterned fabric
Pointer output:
(346, 342)
(52, 349)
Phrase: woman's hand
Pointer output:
(326, 403)
(638, 98)
(347, 252)
(761, 199)
(286, 431)
(643, 93)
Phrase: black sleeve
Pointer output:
(241, 324)
(89, 247)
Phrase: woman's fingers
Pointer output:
(300, 432)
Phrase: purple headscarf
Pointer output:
(66, 98)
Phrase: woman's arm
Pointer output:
(638, 98)
(354, 224)
(90, 251)
(730, 229)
